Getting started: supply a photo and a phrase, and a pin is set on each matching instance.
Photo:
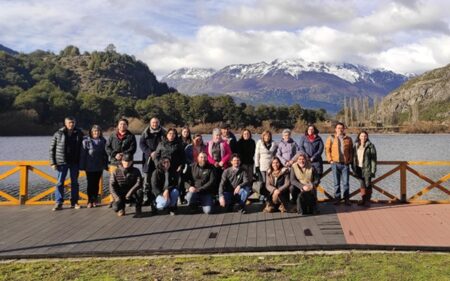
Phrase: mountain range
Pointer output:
(285, 82)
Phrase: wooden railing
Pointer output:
(24, 168)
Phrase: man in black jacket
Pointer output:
(200, 184)
(65, 156)
(150, 138)
(125, 185)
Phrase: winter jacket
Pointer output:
(172, 150)
(148, 143)
(314, 150)
(231, 141)
(282, 182)
(297, 183)
(201, 177)
(124, 181)
(286, 150)
(93, 157)
(332, 149)
(246, 150)
(59, 150)
(231, 178)
(115, 146)
(225, 153)
(158, 180)
(369, 167)
(263, 156)
(191, 154)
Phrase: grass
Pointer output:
(342, 266)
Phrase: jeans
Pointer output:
(341, 171)
(200, 198)
(240, 198)
(61, 177)
(162, 203)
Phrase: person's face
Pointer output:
(154, 123)
(246, 135)
(266, 138)
(198, 140)
(276, 165)
(235, 162)
(224, 132)
(216, 137)
(202, 159)
(166, 164)
(339, 130)
(301, 161)
(126, 164)
(70, 124)
(122, 126)
(286, 136)
(310, 131)
(363, 138)
(185, 133)
(95, 133)
(170, 135)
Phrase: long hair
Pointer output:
(188, 139)
(269, 172)
(359, 134)
(160, 166)
(306, 157)
(266, 132)
(242, 134)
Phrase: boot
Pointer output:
(282, 208)
(138, 212)
(268, 208)
(363, 201)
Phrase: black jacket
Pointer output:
(148, 143)
(158, 179)
(201, 177)
(246, 149)
(124, 182)
(172, 150)
(125, 146)
(58, 149)
(232, 178)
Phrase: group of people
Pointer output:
(222, 172)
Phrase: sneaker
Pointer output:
(242, 210)
(75, 206)
(121, 213)
(172, 211)
(57, 207)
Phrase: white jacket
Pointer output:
(263, 156)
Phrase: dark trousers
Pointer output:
(365, 184)
(136, 198)
(93, 181)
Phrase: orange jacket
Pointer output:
(332, 149)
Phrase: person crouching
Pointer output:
(164, 186)
(125, 185)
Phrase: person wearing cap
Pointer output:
(287, 149)
(125, 185)
(228, 136)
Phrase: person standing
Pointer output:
(219, 153)
(277, 186)
(287, 149)
(65, 157)
(311, 144)
(265, 150)
(194, 149)
(125, 185)
(151, 137)
(186, 137)
(93, 160)
(246, 149)
(200, 184)
(364, 165)
(233, 186)
(339, 152)
(228, 136)
(164, 186)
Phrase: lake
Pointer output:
(403, 147)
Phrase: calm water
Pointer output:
(389, 147)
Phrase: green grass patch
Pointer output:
(345, 266)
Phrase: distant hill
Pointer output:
(312, 84)
(7, 50)
(423, 98)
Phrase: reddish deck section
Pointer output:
(403, 225)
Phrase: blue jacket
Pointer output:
(314, 150)
(93, 157)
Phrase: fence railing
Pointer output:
(24, 168)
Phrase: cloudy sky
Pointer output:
(404, 36)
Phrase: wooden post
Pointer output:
(100, 190)
(403, 182)
(23, 186)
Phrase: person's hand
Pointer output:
(54, 167)
(307, 187)
(127, 198)
(179, 168)
(288, 163)
(193, 189)
(275, 195)
(222, 201)
(221, 164)
(237, 189)
(166, 194)
(216, 165)
(153, 154)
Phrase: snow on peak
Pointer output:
(191, 73)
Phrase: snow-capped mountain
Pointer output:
(312, 84)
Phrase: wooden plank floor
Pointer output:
(397, 225)
(36, 231)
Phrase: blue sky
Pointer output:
(403, 36)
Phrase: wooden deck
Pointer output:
(33, 232)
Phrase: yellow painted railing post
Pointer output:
(403, 182)
(100, 190)
(23, 186)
